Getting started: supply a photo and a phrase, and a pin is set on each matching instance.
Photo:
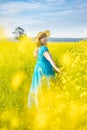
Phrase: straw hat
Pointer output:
(40, 35)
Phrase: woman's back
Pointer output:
(40, 56)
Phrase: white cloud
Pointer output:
(15, 7)
(58, 13)
(82, 11)
(66, 12)
(84, 34)
(22, 20)
(56, 1)
(82, 5)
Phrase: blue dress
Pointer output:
(43, 70)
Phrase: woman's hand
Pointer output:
(58, 70)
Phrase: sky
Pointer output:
(64, 18)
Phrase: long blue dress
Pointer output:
(43, 68)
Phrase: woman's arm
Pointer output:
(35, 52)
(49, 58)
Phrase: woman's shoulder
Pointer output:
(43, 48)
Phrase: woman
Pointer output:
(43, 68)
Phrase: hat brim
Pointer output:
(47, 32)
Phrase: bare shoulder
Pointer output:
(46, 54)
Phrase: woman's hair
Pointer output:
(39, 38)
(42, 35)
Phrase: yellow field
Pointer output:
(68, 96)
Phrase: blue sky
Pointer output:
(64, 18)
